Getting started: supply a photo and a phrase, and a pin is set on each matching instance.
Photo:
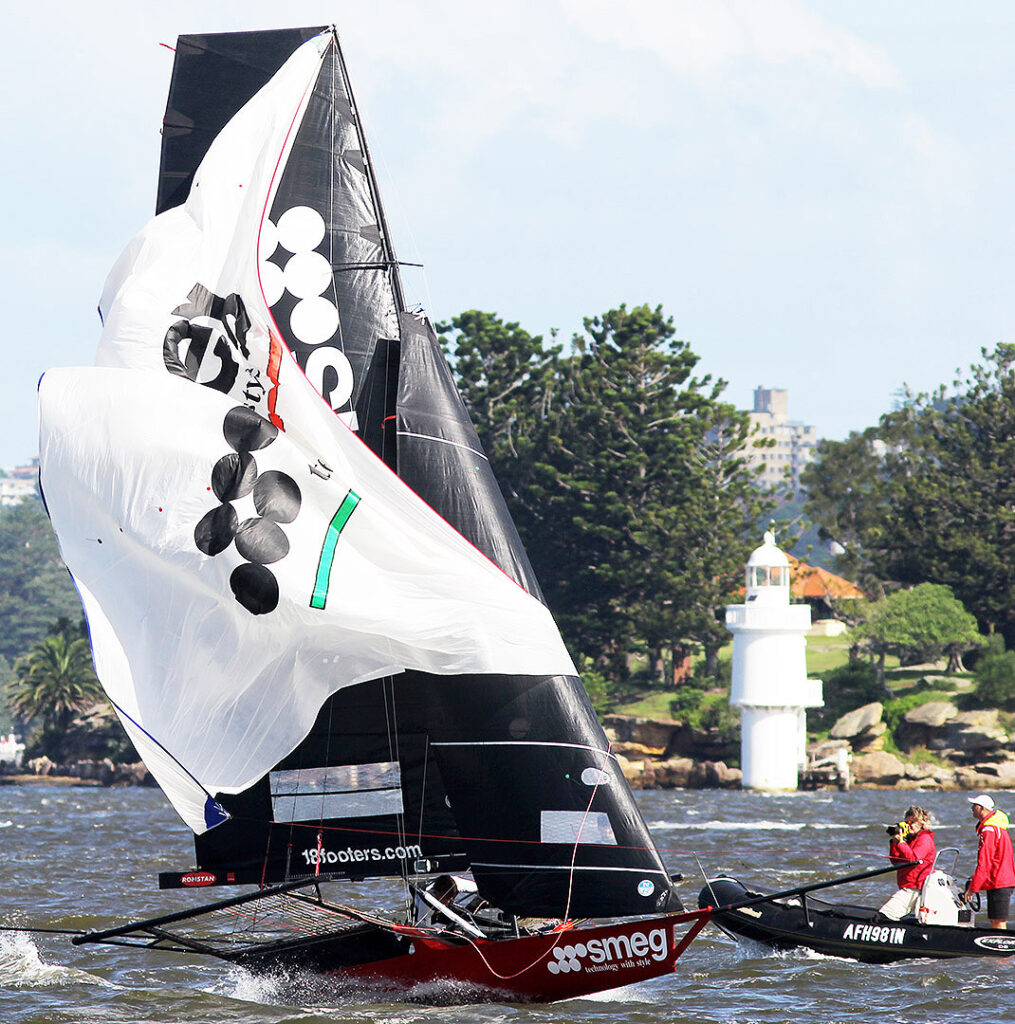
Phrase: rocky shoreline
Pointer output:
(938, 747)
(87, 772)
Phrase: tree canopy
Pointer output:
(929, 494)
(624, 472)
(53, 681)
(925, 622)
(35, 587)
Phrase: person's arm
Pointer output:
(899, 851)
(984, 858)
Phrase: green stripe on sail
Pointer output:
(335, 527)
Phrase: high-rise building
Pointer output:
(794, 442)
(19, 483)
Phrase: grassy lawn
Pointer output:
(824, 654)
(651, 704)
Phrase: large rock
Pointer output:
(674, 773)
(40, 766)
(921, 726)
(967, 738)
(977, 732)
(97, 735)
(975, 777)
(639, 774)
(714, 775)
(654, 733)
(634, 751)
(702, 744)
(933, 714)
(133, 775)
(1005, 774)
(102, 771)
(871, 739)
(857, 722)
(928, 776)
(877, 769)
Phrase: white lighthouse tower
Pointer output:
(770, 684)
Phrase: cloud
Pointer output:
(707, 40)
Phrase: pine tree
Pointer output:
(35, 587)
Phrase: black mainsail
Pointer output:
(489, 761)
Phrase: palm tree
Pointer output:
(54, 681)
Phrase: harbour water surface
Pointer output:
(88, 858)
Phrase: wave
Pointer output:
(22, 966)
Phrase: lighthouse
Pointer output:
(770, 684)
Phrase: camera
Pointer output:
(898, 831)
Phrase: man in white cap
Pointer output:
(995, 871)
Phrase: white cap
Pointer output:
(983, 800)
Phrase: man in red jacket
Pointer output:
(995, 872)
(911, 840)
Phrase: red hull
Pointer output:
(532, 969)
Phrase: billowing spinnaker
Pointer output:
(235, 579)
(187, 296)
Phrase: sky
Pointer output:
(819, 194)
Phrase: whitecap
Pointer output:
(751, 826)
(22, 966)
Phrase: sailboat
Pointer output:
(306, 598)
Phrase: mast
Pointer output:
(375, 192)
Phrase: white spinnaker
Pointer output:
(211, 694)
(212, 239)
(127, 460)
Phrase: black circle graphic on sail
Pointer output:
(277, 497)
(246, 431)
(255, 588)
(261, 541)
(233, 476)
(215, 532)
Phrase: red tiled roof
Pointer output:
(814, 582)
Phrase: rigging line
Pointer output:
(272, 189)
(422, 788)
(372, 265)
(406, 227)
(561, 932)
(179, 764)
(708, 882)
(444, 440)
(375, 195)
(457, 837)
(331, 199)
(391, 720)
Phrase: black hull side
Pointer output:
(846, 931)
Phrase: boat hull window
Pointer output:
(341, 791)
(594, 828)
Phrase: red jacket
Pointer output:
(994, 868)
(923, 849)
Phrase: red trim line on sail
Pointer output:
(277, 341)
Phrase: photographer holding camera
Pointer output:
(909, 840)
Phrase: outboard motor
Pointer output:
(722, 891)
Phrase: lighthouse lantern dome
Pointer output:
(768, 573)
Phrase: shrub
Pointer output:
(845, 688)
(995, 674)
(602, 691)
(686, 702)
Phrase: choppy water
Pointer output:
(86, 858)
